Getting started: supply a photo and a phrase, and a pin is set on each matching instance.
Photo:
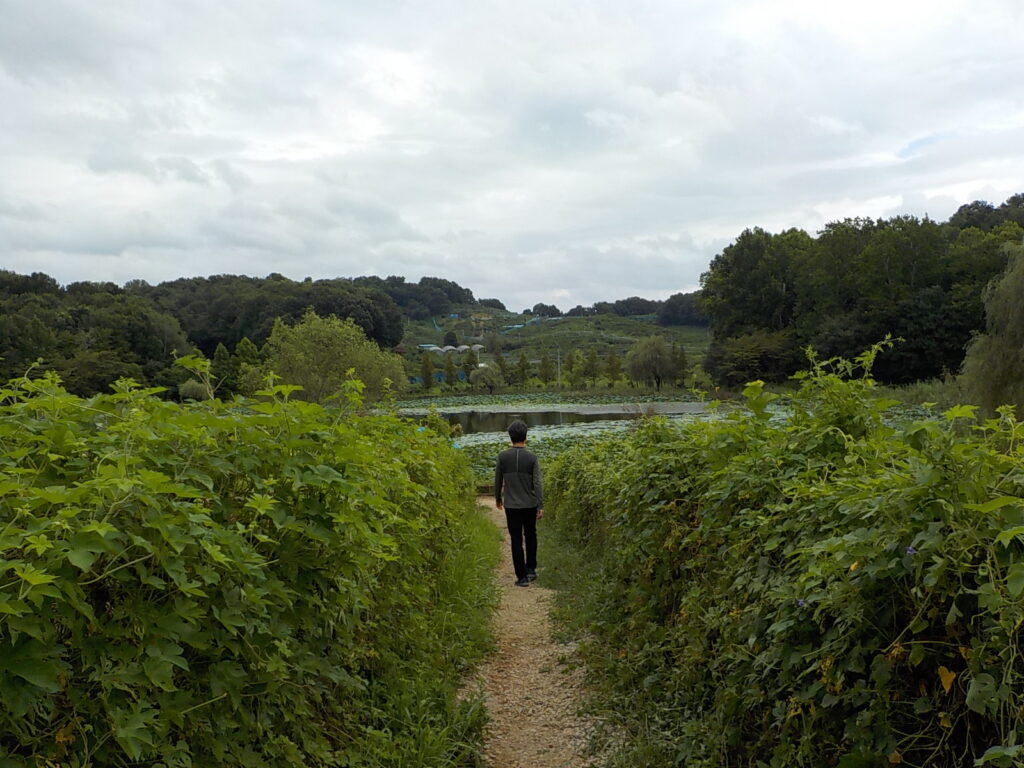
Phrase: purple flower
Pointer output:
(801, 602)
(911, 551)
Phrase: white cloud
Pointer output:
(554, 151)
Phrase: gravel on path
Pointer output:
(532, 695)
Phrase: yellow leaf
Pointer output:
(965, 652)
(944, 721)
(895, 757)
(947, 678)
(855, 565)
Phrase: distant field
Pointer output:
(539, 399)
(602, 332)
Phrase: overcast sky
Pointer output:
(554, 151)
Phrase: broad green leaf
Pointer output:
(81, 558)
(1009, 535)
(12, 607)
(1001, 756)
(160, 663)
(989, 598)
(996, 503)
(54, 494)
(101, 527)
(34, 576)
(38, 544)
(922, 705)
(215, 552)
(40, 673)
(1015, 579)
(261, 503)
(953, 613)
(981, 694)
(34, 662)
(960, 412)
(916, 655)
(132, 731)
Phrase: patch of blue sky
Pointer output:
(913, 148)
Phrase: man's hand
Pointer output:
(540, 513)
(498, 504)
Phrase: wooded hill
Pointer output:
(94, 333)
(770, 295)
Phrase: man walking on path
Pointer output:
(518, 489)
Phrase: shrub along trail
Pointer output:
(234, 584)
(834, 588)
(532, 698)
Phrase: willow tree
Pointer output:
(322, 353)
(993, 370)
(650, 361)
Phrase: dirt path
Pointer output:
(531, 697)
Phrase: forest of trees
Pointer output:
(768, 296)
(94, 333)
(678, 309)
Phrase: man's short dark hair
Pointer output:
(517, 431)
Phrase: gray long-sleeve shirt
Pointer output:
(517, 481)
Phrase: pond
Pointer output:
(498, 419)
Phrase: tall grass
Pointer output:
(944, 393)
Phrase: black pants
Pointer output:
(522, 523)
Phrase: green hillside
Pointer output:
(534, 335)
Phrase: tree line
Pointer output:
(677, 309)
(768, 296)
(93, 333)
(651, 361)
(765, 297)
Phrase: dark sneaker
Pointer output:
(531, 575)
(523, 582)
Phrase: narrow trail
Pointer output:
(531, 696)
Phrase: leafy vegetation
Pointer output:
(821, 590)
(244, 584)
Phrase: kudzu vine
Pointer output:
(835, 588)
(244, 583)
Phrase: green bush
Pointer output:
(822, 590)
(233, 585)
